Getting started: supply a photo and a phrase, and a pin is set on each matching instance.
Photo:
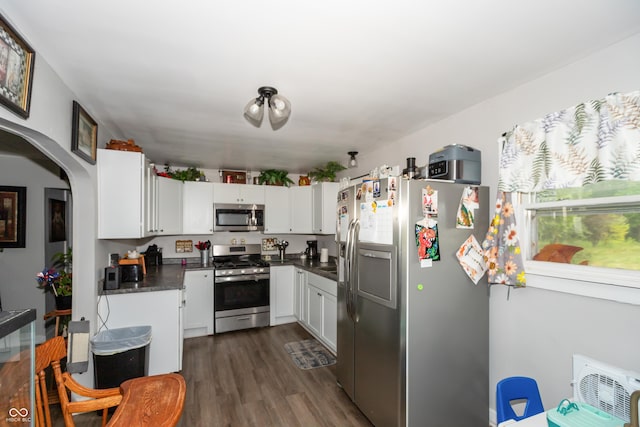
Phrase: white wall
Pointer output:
(19, 266)
(536, 331)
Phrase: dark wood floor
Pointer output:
(246, 378)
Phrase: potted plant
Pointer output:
(274, 177)
(327, 173)
(189, 174)
(58, 279)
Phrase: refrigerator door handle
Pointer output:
(354, 269)
(347, 269)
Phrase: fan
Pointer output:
(603, 386)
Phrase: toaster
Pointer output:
(131, 273)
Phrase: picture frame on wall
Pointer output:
(13, 216)
(84, 134)
(57, 221)
(16, 70)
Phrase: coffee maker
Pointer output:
(312, 249)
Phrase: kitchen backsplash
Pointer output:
(297, 242)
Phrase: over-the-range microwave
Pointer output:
(238, 217)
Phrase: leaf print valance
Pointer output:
(590, 142)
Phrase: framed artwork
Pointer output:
(13, 216)
(57, 221)
(84, 134)
(16, 70)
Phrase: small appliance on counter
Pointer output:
(455, 162)
(152, 256)
(312, 249)
(111, 278)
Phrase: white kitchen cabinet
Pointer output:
(121, 193)
(197, 207)
(281, 294)
(321, 306)
(150, 222)
(238, 193)
(162, 310)
(169, 206)
(300, 201)
(276, 209)
(299, 296)
(324, 207)
(198, 306)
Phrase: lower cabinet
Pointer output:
(162, 310)
(299, 295)
(281, 295)
(198, 307)
(320, 306)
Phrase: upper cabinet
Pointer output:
(238, 193)
(169, 211)
(324, 207)
(300, 201)
(276, 207)
(121, 194)
(197, 208)
(132, 201)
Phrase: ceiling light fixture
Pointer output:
(279, 108)
(353, 163)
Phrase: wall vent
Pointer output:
(603, 386)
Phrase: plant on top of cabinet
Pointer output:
(327, 173)
(189, 174)
(274, 177)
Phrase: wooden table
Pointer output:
(155, 401)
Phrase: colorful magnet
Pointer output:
(392, 184)
(469, 202)
(376, 189)
(471, 258)
(429, 201)
(427, 239)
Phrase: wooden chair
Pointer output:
(50, 353)
(155, 401)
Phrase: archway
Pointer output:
(83, 187)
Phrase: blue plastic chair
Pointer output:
(517, 389)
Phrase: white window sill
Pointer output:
(604, 283)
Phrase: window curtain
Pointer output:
(593, 141)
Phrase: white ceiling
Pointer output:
(176, 75)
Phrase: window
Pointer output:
(595, 228)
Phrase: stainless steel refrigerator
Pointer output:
(413, 333)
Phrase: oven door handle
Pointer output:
(242, 278)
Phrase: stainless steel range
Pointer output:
(241, 290)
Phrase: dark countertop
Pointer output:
(327, 270)
(170, 275)
(166, 277)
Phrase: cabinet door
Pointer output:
(299, 295)
(150, 225)
(314, 310)
(238, 193)
(281, 289)
(169, 206)
(301, 209)
(197, 208)
(120, 194)
(276, 206)
(198, 309)
(329, 320)
(252, 194)
(162, 310)
(324, 207)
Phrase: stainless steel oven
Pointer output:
(241, 289)
(238, 217)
